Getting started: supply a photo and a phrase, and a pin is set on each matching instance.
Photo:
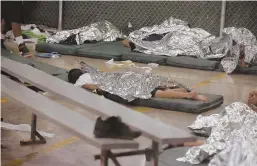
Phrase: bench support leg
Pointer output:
(150, 154)
(34, 134)
(104, 157)
(113, 158)
(147, 152)
(155, 147)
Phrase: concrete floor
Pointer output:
(66, 149)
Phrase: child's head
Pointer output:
(74, 75)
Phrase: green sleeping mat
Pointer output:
(241, 70)
(182, 105)
(144, 58)
(65, 49)
(100, 50)
(116, 51)
(50, 69)
(111, 50)
(192, 63)
(60, 48)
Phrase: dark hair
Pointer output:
(74, 74)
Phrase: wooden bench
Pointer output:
(156, 131)
(62, 116)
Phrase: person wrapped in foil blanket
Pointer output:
(232, 137)
(175, 37)
(128, 86)
(99, 31)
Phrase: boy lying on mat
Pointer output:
(84, 80)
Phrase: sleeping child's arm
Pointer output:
(90, 86)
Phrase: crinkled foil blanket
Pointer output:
(99, 31)
(129, 85)
(180, 39)
(232, 137)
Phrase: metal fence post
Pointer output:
(222, 16)
(60, 15)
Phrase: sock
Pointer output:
(19, 40)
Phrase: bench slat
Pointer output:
(61, 115)
(153, 129)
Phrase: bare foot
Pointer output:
(197, 97)
(202, 98)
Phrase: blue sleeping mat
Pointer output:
(182, 105)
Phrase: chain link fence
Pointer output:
(202, 14)
(242, 14)
(42, 12)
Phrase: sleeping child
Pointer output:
(84, 80)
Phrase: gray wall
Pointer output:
(201, 14)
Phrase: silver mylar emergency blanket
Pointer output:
(244, 44)
(232, 137)
(180, 39)
(129, 85)
(99, 31)
(237, 153)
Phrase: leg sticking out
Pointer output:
(179, 94)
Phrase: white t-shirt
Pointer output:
(84, 79)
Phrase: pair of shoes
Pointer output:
(113, 127)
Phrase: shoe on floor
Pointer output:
(113, 127)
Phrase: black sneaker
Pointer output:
(113, 127)
(101, 129)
